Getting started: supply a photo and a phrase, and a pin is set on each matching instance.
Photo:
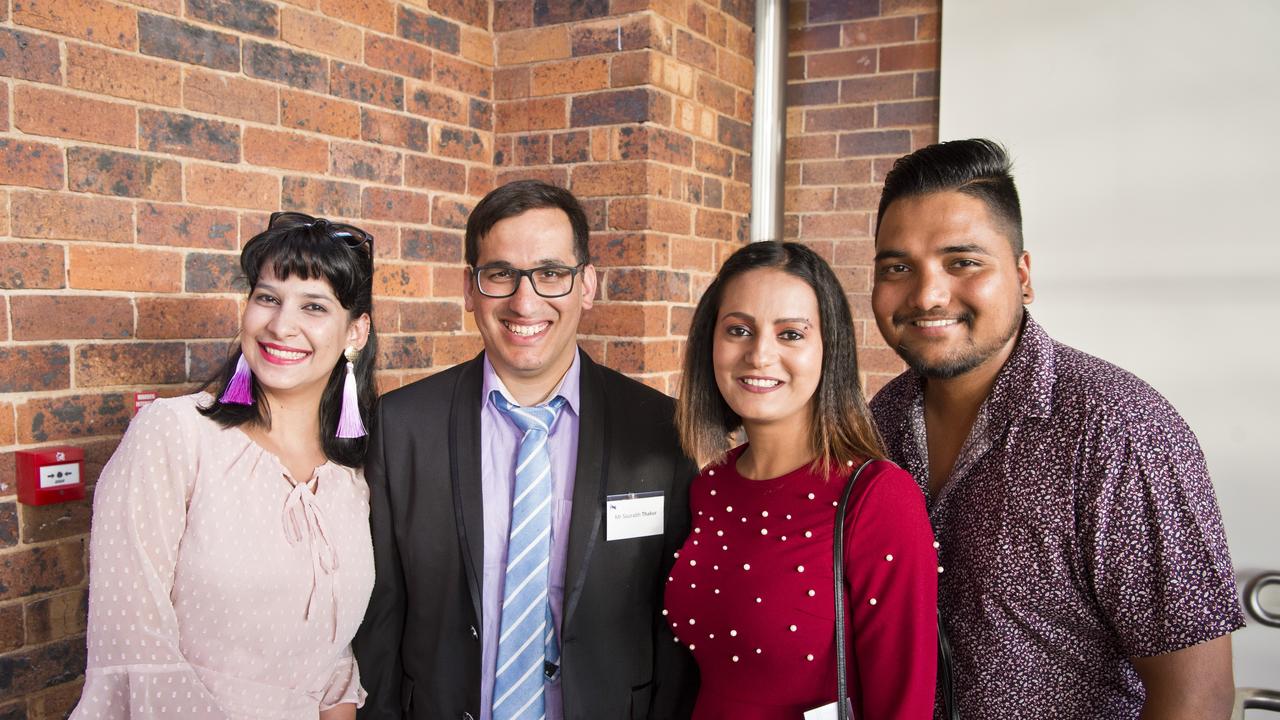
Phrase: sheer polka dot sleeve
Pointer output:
(135, 667)
(344, 684)
(891, 571)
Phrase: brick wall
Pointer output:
(862, 90)
(643, 109)
(141, 143)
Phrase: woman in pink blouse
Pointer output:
(230, 554)
(771, 354)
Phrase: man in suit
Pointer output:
(476, 613)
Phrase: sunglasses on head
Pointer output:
(353, 236)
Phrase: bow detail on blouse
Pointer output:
(303, 520)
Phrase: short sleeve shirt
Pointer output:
(1079, 528)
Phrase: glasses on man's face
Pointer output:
(499, 280)
(353, 236)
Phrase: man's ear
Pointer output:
(468, 287)
(589, 281)
(1024, 278)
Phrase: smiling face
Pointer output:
(529, 339)
(292, 333)
(767, 352)
(949, 291)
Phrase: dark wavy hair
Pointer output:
(841, 423)
(978, 168)
(516, 198)
(320, 250)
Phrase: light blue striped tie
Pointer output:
(526, 634)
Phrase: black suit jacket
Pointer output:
(419, 647)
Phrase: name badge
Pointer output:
(633, 515)
(826, 712)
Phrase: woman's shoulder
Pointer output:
(883, 482)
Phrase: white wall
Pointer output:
(1146, 142)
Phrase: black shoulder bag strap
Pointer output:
(844, 708)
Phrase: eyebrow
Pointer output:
(779, 321)
(309, 296)
(972, 248)
(541, 263)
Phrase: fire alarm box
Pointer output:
(50, 475)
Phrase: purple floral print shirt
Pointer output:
(1079, 528)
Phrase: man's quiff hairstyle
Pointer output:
(979, 168)
(519, 197)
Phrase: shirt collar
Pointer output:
(570, 387)
(1024, 385)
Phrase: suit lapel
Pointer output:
(464, 473)
(588, 482)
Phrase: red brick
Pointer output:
(645, 284)
(12, 635)
(449, 213)
(463, 76)
(212, 272)
(29, 266)
(230, 96)
(929, 27)
(42, 111)
(639, 67)
(625, 320)
(570, 76)
(898, 86)
(30, 57)
(330, 198)
(431, 246)
(836, 172)
(282, 65)
(477, 46)
(286, 150)
(696, 51)
(329, 116)
(434, 103)
(319, 34)
(809, 199)
(712, 159)
(841, 64)
(811, 37)
(389, 129)
(179, 134)
(875, 142)
(178, 318)
(250, 16)
(174, 39)
(529, 150)
(511, 83)
(398, 352)
(374, 14)
(398, 56)
(879, 31)
(94, 267)
(461, 144)
(612, 107)
(429, 30)
(365, 163)
(41, 666)
(367, 86)
(398, 205)
(927, 84)
(30, 164)
(917, 56)
(611, 179)
(58, 317)
(640, 356)
(401, 280)
(823, 92)
(92, 20)
(40, 570)
(64, 614)
(713, 224)
(453, 349)
(909, 7)
(533, 45)
(553, 175)
(132, 363)
(430, 316)
(447, 282)
(472, 12)
(480, 114)
(8, 435)
(126, 76)
(186, 226)
(653, 143)
(58, 701)
(125, 174)
(820, 120)
(210, 185)
(34, 368)
(811, 146)
(917, 112)
(617, 35)
(834, 225)
(524, 115)
(434, 174)
(61, 216)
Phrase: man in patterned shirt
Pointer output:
(1086, 569)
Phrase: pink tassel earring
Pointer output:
(349, 423)
(240, 389)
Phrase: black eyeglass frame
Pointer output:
(521, 274)
(353, 236)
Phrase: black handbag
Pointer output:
(844, 709)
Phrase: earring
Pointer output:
(240, 389)
(349, 422)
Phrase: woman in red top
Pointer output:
(771, 353)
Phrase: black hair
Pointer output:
(842, 430)
(519, 197)
(326, 251)
(978, 167)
